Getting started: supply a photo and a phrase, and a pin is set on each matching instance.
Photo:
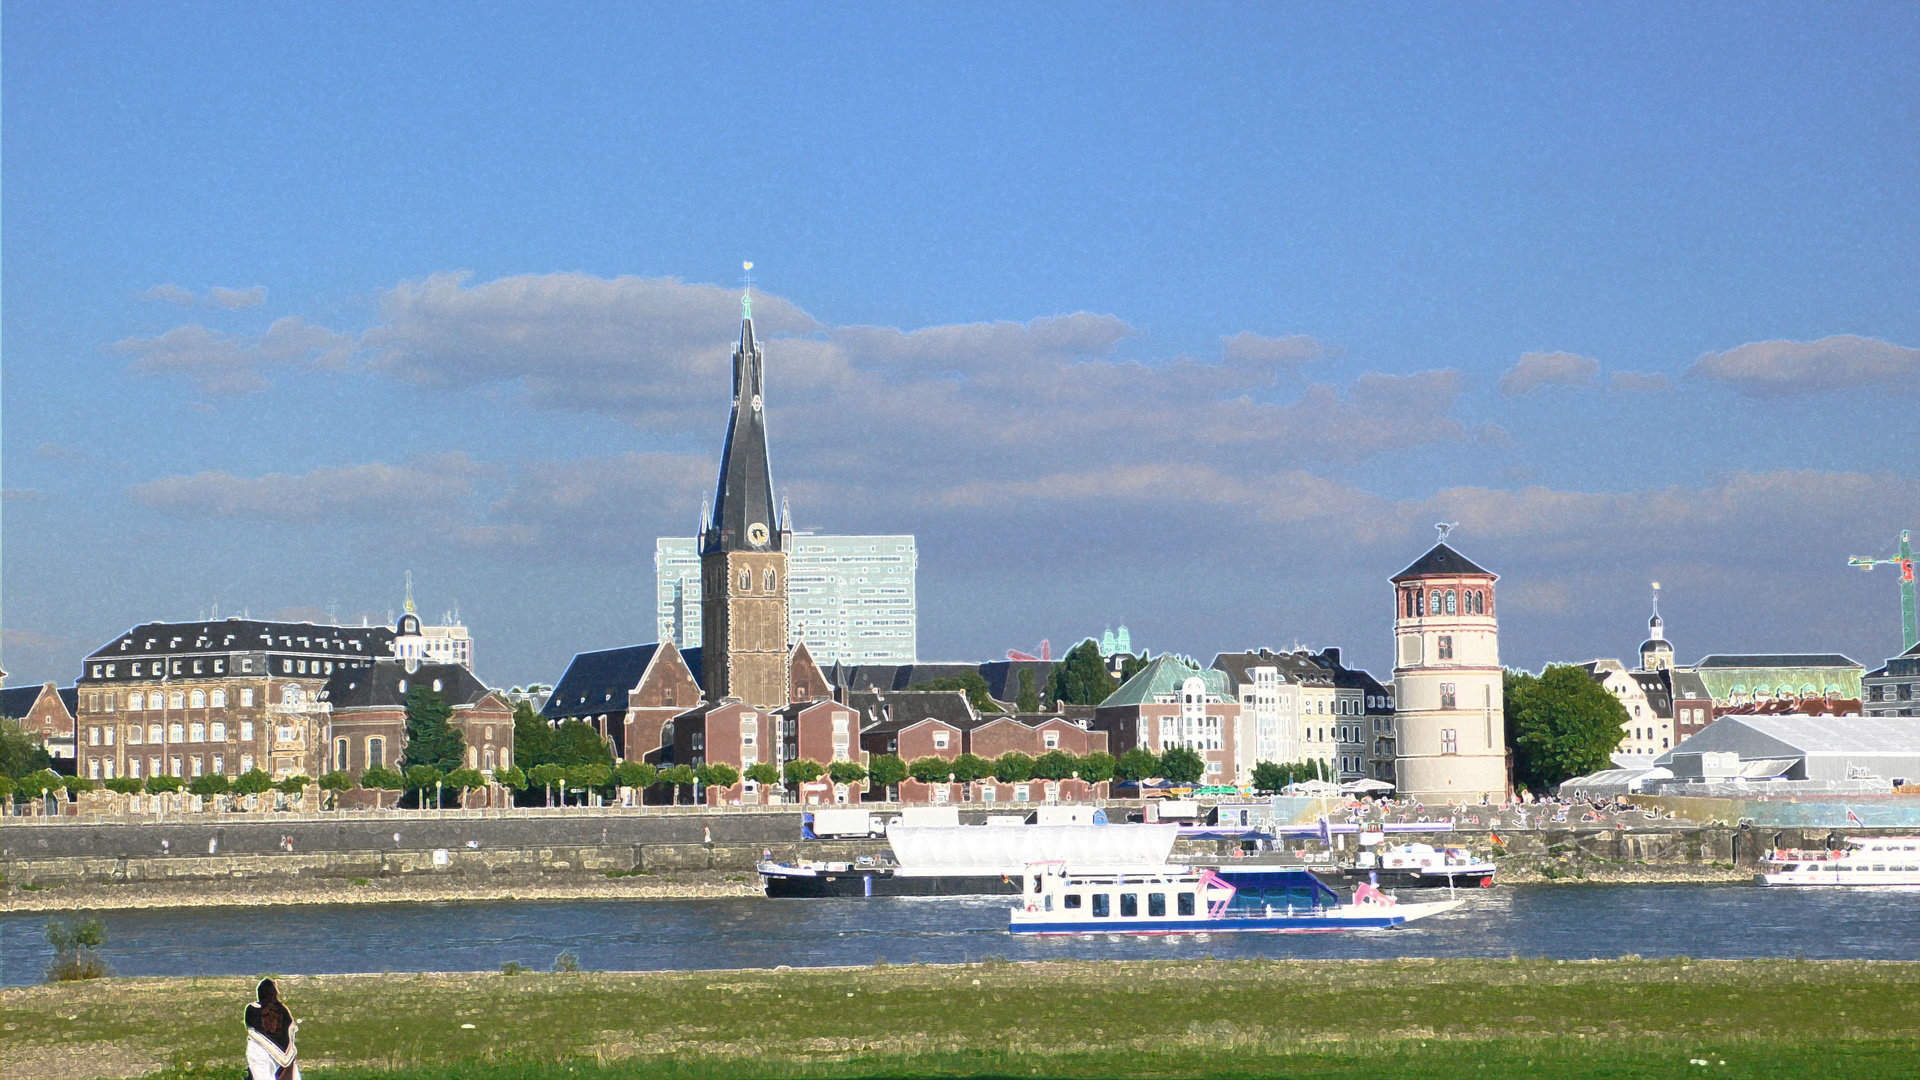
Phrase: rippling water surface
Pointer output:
(1562, 922)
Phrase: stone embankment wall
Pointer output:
(478, 848)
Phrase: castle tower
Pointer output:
(743, 560)
(1656, 653)
(1447, 681)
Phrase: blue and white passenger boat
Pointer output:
(1173, 900)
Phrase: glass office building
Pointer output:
(850, 598)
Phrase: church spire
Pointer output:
(743, 514)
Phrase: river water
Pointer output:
(1573, 922)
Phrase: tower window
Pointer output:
(769, 579)
(1419, 604)
(1446, 646)
(1448, 699)
(1449, 741)
(746, 580)
(1450, 610)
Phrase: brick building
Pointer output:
(367, 716)
(1172, 703)
(46, 713)
(219, 696)
(628, 695)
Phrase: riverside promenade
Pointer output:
(369, 856)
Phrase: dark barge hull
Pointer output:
(1405, 879)
(884, 883)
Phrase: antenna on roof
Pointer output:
(1445, 528)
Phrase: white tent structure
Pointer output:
(1822, 750)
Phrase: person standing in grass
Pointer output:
(271, 1053)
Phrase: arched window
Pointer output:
(340, 754)
(176, 700)
(198, 699)
(197, 732)
(746, 580)
(1450, 609)
(217, 731)
(135, 702)
(489, 759)
(1419, 604)
(153, 733)
(376, 752)
(176, 733)
(218, 699)
(770, 579)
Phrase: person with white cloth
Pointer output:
(271, 1053)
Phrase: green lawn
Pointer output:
(1448, 1018)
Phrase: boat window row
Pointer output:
(1834, 867)
(1102, 904)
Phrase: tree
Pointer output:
(532, 736)
(208, 785)
(719, 774)
(548, 776)
(511, 778)
(252, 782)
(126, 785)
(801, 772)
(1182, 765)
(979, 695)
(1269, 777)
(886, 770)
(20, 755)
(1136, 765)
(77, 784)
(433, 741)
(1080, 677)
(1097, 767)
(679, 776)
(846, 772)
(575, 742)
(333, 783)
(465, 780)
(295, 787)
(1028, 699)
(579, 778)
(381, 778)
(421, 777)
(763, 773)
(76, 950)
(930, 770)
(1132, 665)
(1054, 765)
(1013, 767)
(634, 774)
(970, 767)
(163, 785)
(7, 784)
(1560, 724)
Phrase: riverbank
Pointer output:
(144, 895)
(1405, 1018)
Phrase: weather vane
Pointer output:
(746, 298)
(1445, 528)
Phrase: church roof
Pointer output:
(386, 683)
(597, 682)
(1442, 561)
(743, 499)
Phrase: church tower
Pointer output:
(1447, 681)
(743, 552)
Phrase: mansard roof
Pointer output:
(386, 684)
(1778, 660)
(248, 635)
(1442, 561)
(1163, 675)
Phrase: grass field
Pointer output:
(1449, 1018)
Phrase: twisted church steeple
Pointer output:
(743, 511)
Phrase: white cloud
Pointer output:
(172, 294)
(423, 488)
(1537, 370)
(233, 365)
(232, 299)
(1841, 362)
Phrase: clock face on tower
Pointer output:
(756, 533)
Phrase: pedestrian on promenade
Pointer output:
(271, 1054)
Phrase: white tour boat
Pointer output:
(1174, 900)
(1868, 860)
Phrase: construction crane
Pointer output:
(1910, 628)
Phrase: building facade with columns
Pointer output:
(1449, 707)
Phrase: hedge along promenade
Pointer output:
(1407, 1018)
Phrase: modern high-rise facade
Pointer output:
(850, 598)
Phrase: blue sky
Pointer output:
(1190, 316)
